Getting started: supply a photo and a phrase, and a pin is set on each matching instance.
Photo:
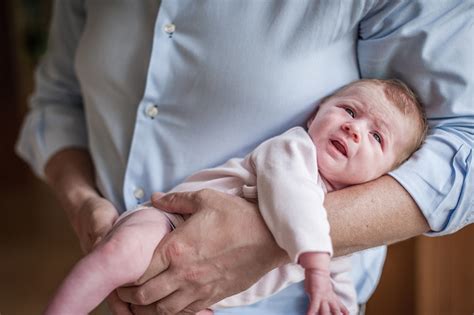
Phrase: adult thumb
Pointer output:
(116, 305)
(187, 202)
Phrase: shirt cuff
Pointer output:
(46, 131)
(439, 177)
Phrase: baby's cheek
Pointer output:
(376, 172)
(362, 175)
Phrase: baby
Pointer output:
(359, 133)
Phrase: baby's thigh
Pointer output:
(129, 247)
(147, 216)
(143, 228)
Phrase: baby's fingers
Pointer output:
(324, 308)
(313, 307)
(335, 307)
(343, 309)
(338, 308)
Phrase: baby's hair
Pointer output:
(400, 95)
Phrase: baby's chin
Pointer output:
(332, 181)
(339, 178)
(354, 180)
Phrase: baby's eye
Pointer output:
(350, 112)
(377, 137)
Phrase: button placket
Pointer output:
(169, 29)
(138, 193)
(152, 111)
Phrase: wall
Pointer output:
(421, 276)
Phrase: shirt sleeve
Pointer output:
(290, 196)
(56, 117)
(429, 45)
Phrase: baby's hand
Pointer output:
(323, 300)
(317, 283)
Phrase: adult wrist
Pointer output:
(70, 175)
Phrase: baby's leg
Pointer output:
(121, 258)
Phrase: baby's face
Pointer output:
(359, 135)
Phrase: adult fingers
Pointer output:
(198, 307)
(143, 310)
(171, 305)
(97, 232)
(103, 219)
(85, 241)
(97, 219)
(182, 202)
(153, 290)
(157, 195)
(117, 306)
(176, 303)
(160, 262)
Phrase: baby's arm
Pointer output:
(318, 284)
(121, 258)
(291, 194)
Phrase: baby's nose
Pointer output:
(353, 131)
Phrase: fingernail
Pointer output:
(154, 198)
(157, 196)
(97, 241)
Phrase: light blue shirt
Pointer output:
(156, 93)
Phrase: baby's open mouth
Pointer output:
(339, 146)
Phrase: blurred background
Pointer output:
(421, 275)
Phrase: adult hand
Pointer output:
(93, 220)
(117, 306)
(222, 249)
(70, 174)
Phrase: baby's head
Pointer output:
(365, 130)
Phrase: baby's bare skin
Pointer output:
(125, 253)
(351, 149)
(318, 286)
(121, 258)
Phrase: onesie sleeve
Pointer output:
(429, 45)
(56, 117)
(290, 195)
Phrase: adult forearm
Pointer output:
(70, 174)
(375, 213)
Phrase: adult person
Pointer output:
(131, 98)
(356, 135)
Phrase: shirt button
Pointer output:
(139, 193)
(169, 28)
(152, 111)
